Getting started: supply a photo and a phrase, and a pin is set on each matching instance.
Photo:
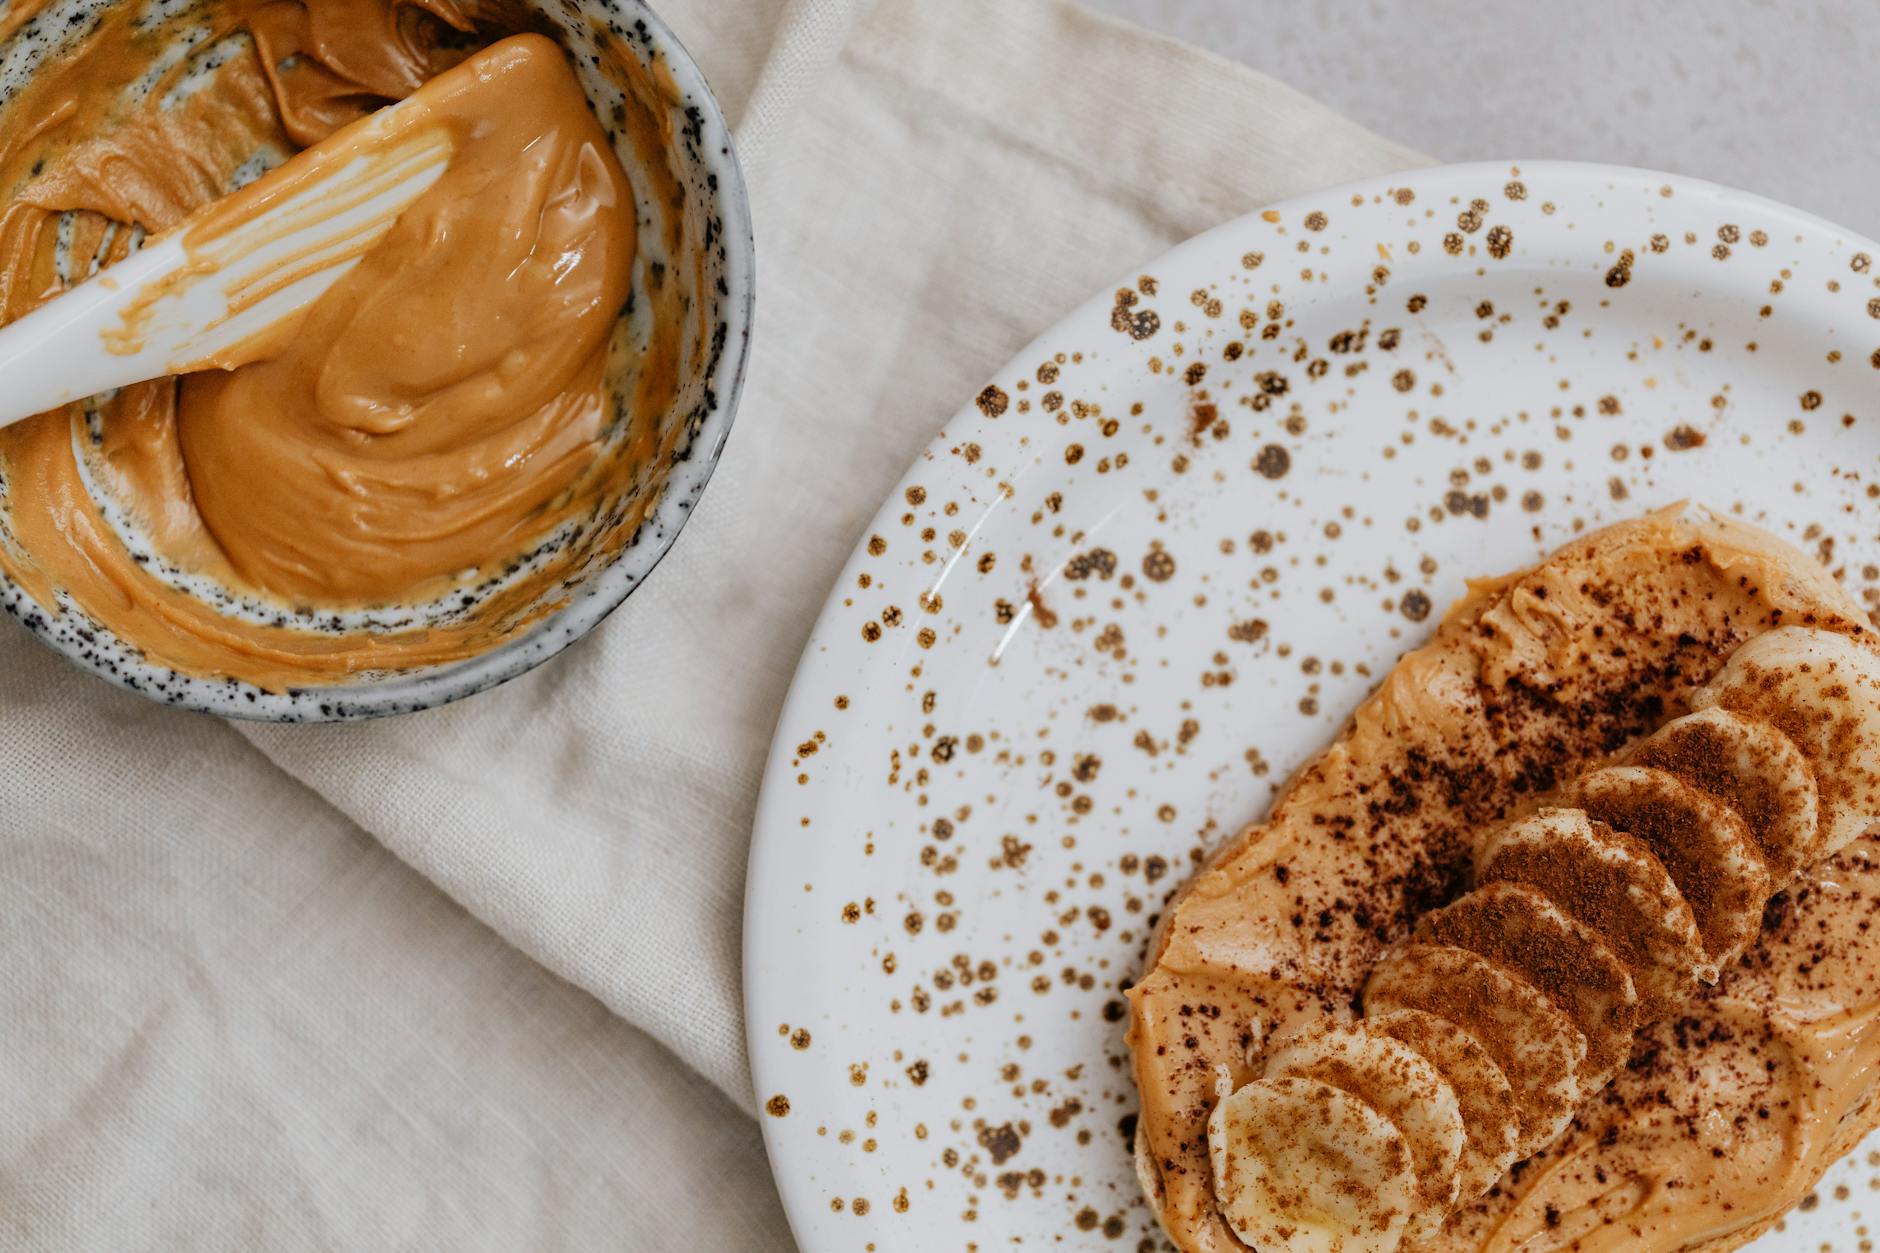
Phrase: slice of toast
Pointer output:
(1528, 679)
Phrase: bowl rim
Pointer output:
(689, 472)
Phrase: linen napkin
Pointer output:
(229, 1017)
(927, 199)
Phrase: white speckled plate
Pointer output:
(1152, 568)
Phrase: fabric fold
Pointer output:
(210, 944)
(929, 195)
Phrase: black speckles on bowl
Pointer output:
(718, 275)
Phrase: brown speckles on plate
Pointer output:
(1621, 272)
(1273, 462)
(1137, 323)
(1040, 612)
(1120, 652)
(1158, 564)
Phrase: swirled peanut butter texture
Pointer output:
(1723, 1115)
(413, 468)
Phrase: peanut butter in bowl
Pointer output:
(460, 456)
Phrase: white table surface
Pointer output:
(1782, 99)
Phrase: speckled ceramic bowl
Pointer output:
(715, 273)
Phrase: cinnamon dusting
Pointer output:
(1532, 680)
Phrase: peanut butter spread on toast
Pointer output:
(1727, 1108)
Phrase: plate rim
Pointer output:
(770, 828)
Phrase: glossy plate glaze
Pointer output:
(1151, 568)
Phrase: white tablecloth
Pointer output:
(469, 979)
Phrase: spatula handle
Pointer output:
(58, 353)
(203, 293)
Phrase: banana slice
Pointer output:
(1491, 1122)
(1396, 1081)
(1822, 690)
(1536, 1045)
(1702, 843)
(1518, 927)
(1302, 1165)
(1754, 769)
(1610, 882)
(1148, 1178)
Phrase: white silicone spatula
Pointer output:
(218, 281)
